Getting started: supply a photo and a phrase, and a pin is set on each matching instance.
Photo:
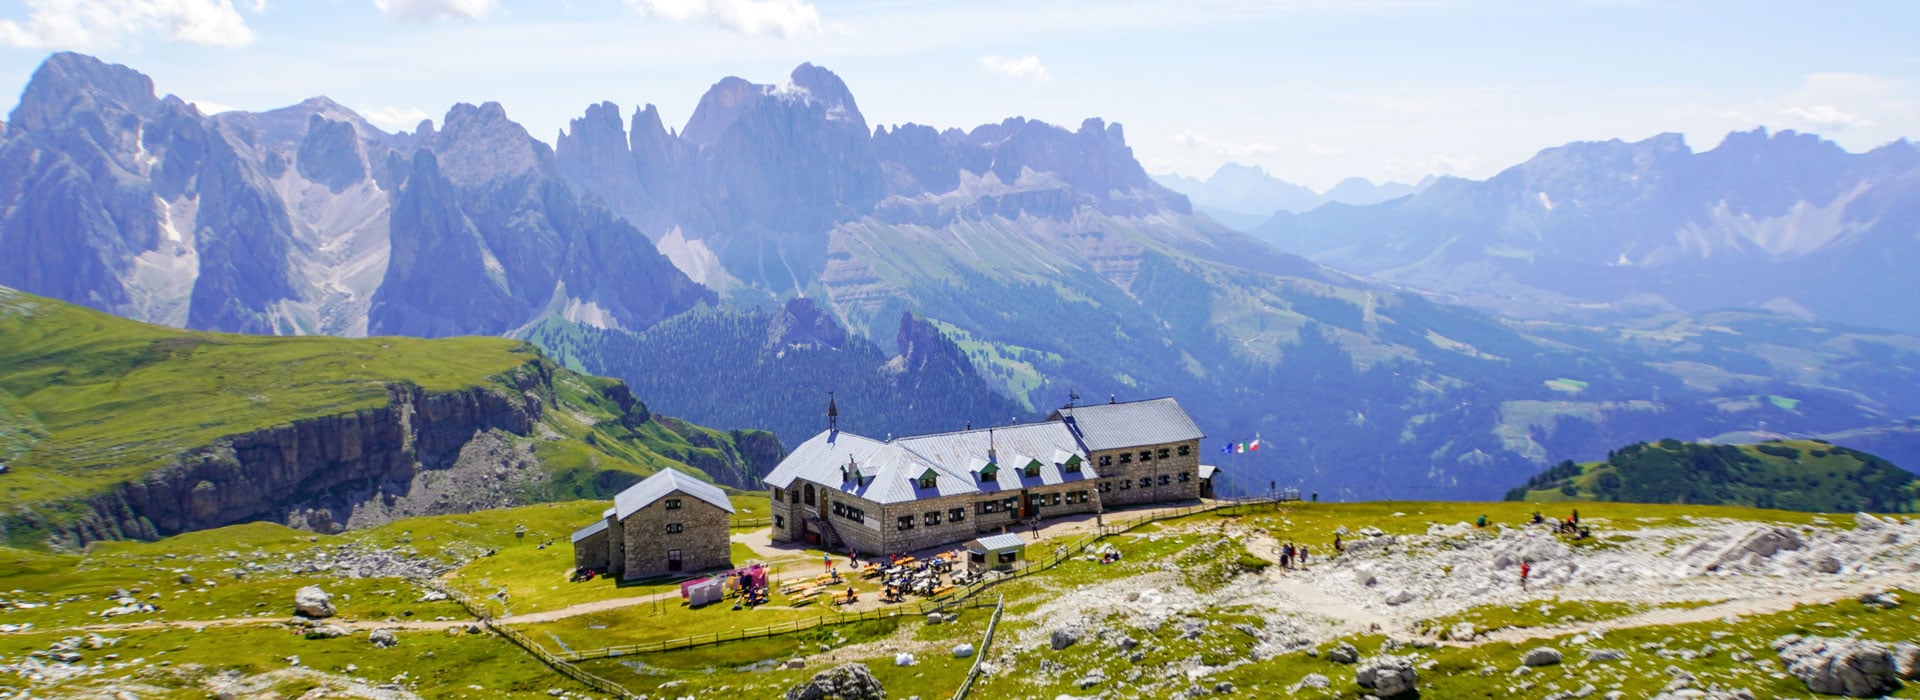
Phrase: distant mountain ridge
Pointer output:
(1786, 221)
(1243, 196)
(306, 219)
(975, 274)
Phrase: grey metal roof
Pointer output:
(1206, 471)
(588, 531)
(889, 472)
(1132, 424)
(667, 481)
(999, 542)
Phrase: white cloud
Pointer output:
(1314, 149)
(395, 118)
(430, 10)
(1230, 149)
(1823, 118)
(93, 24)
(1027, 68)
(782, 18)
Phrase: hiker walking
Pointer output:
(1303, 556)
(1525, 569)
(1338, 547)
(1576, 516)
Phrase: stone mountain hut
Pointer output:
(667, 524)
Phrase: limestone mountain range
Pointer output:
(1043, 256)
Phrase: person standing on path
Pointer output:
(1526, 568)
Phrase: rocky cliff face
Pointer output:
(338, 463)
(291, 221)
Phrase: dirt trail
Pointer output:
(1739, 607)
(1310, 599)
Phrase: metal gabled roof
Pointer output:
(666, 481)
(999, 542)
(590, 530)
(1132, 424)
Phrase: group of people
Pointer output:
(1567, 526)
(1291, 554)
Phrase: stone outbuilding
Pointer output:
(669, 523)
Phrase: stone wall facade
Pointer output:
(1171, 471)
(700, 538)
(591, 551)
(880, 529)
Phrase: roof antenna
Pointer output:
(1112, 398)
(833, 413)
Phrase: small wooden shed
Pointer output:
(996, 552)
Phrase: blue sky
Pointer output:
(1314, 91)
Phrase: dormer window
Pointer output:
(989, 473)
(1072, 465)
(928, 479)
(1032, 470)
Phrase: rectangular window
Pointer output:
(1186, 450)
(673, 504)
(779, 522)
(1126, 458)
(1106, 487)
(1145, 482)
(1146, 455)
(1011, 504)
(675, 528)
(1073, 466)
(1033, 470)
(854, 514)
(779, 494)
(1185, 477)
(1126, 484)
(990, 507)
(1164, 480)
(956, 514)
(905, 523)
(1164, 452)
(927, 482)
(1055, 500)
(933, 518)
(1106, 460)
(673, 560)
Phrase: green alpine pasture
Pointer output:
(89, 401)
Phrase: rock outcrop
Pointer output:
(1852, 667)
(848, 682)
(1387, 676)
(328, 461)
(313, 602)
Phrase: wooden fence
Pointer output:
(959, 598)
(980, 654)
(963, 598)
(520, 639)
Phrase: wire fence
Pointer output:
(980, 654)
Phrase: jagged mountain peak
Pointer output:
(479, 143)
(67, 84)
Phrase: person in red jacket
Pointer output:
(1526, 568)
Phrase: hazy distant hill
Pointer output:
(1783, 220)
(1786, 474)
(1244, 196)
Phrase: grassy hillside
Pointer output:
(89, 401)
(1804, 475)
